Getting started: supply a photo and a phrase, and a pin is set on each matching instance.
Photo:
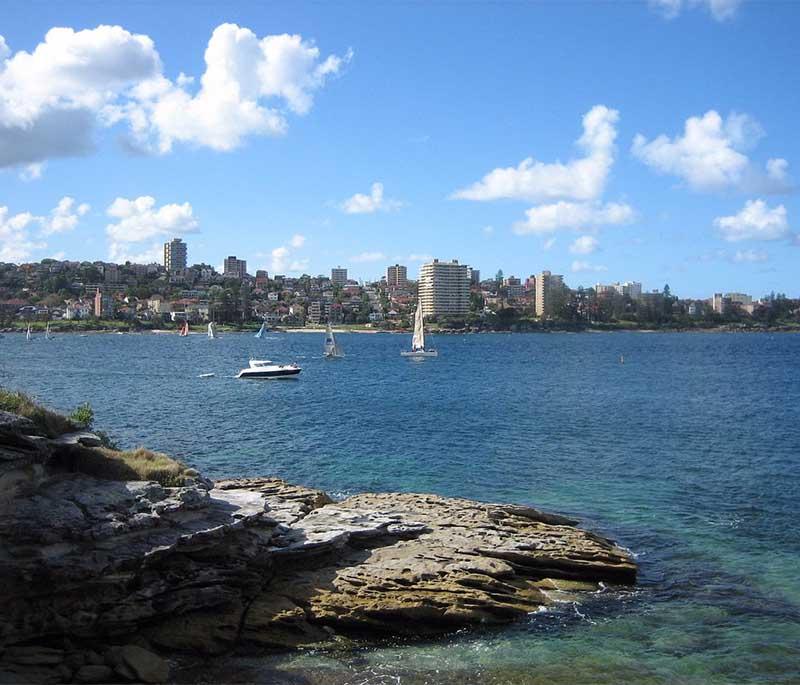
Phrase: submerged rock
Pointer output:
(128, 569)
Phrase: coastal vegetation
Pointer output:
(46, 422)
(103, 460)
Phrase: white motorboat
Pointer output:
(332, 348)
(418, 341)
(264, 368)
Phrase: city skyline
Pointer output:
(528, 165)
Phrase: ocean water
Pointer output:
(688, 453)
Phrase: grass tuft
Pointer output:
(48, 423)
(138, 464)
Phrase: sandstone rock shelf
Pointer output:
(106, 580)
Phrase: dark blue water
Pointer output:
(688, 454)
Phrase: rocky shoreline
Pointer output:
(112, 581)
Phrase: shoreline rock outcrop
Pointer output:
(105, 580)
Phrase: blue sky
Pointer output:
(440, 104)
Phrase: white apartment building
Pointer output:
(444, 288)
(339, 276)
(547, 287)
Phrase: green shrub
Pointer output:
(83, 415)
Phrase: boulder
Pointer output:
(148, 667)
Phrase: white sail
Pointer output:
(212, 330)
(47, 335)
(262, 331)
(332, 348)
(418, 341)
(28, 334)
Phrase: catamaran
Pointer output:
(332, 349)
(418, 341)
(212, 330)
(184, 330)
(262, 331)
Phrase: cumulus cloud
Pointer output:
(140, 220)
(721, 10)
(586, 244)
(282, 258)
(750, 256)
(53, 99)
(16, 242)
(756, 221)
(710, 155)
(369, 257)
(583, 178)
(64, 217)
(573, 215)
(579, 266)
(368, 204)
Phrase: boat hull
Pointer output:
(269, 373)
(420, 355)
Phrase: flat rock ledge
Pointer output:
(105, 581)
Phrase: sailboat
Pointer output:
(184, 329)
(262, 331)
(332, 349)
(47, 335)
(418, 341)
(212, 330)
(28, 335)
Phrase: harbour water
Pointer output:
(688, 454)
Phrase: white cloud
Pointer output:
(243, 73)
(488, 230)
(53, 99)
(369, 257)
(549, 243)
(279, 259)
(580, 179)
(756, 221)
(140, 220)
(721, 10)
(282, 258)
(119, 253)
(579, 266)
(416, 257)
(586, 244)
(368, 204)
(710, 154)
(16, 244)
(750, 256)
(777, 169)
(64, 217)
(32, 172)
(573, 215)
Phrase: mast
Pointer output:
(418, 341)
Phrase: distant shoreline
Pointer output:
(39, 328)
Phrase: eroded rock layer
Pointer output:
(97, 577)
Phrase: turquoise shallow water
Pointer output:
(688, 454)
